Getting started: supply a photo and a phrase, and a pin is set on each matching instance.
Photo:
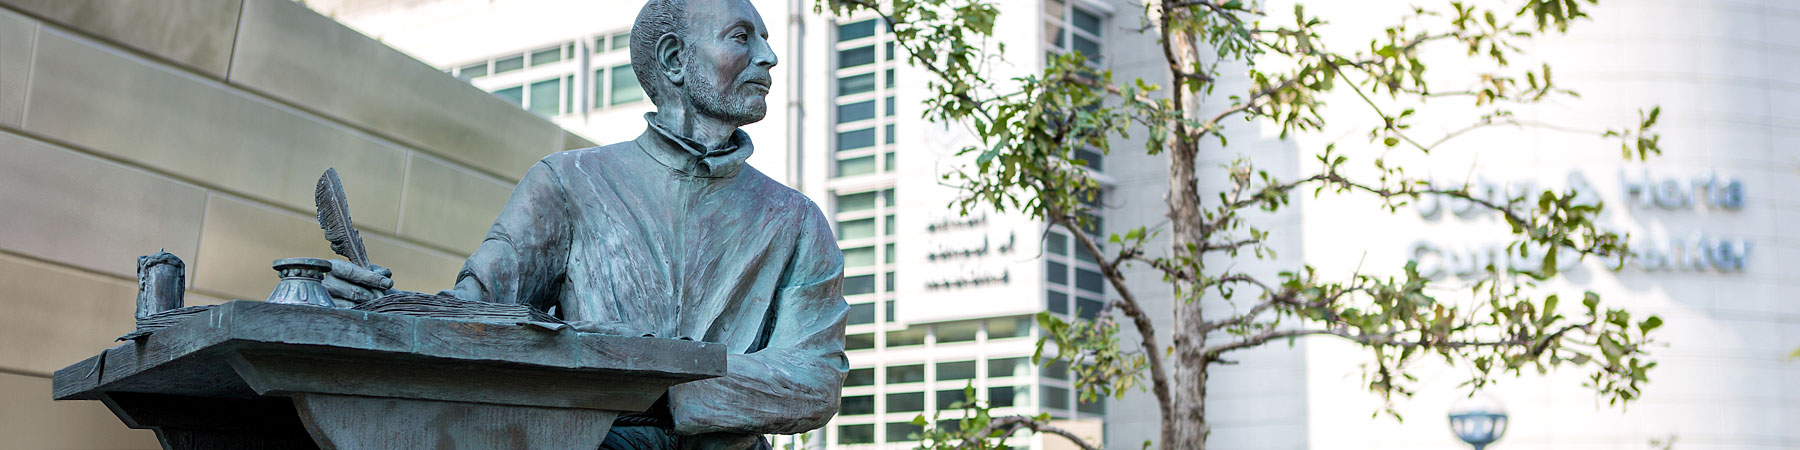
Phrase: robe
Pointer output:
(667, 239)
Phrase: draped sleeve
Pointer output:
(792, 383)
(523, 258)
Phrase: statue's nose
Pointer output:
(765, 55)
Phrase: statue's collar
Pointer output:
(684, 155)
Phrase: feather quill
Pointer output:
(334, 218)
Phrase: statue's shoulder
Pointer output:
(773, 193)
(562, 159)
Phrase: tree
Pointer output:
(1028, 128)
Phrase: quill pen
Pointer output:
(334, 217)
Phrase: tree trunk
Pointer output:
(1187, 429)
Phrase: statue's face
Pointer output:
(728, 61)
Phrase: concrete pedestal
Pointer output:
(274, 376)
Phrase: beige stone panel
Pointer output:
(416, 268)
(194, 33)
(18, 35)
(241, 238)
(55, 316)
(30, 419)
(448, 205)
(573, 141)
(294, 54)
(207, 132)
(81, 210)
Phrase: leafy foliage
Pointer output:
(1030, 125)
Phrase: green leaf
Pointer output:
(1649, 324)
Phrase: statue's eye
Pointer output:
(741, 37)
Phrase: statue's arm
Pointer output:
(792, 384)
(526, 249)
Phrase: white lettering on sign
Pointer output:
(1697, 252)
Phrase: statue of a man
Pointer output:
(671, 234)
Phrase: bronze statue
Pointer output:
(673, 235)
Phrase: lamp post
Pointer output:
(1478, 420)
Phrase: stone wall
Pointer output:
(200, 127)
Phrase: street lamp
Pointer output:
(1478, 420)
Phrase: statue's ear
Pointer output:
(668, 55)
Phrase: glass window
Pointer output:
(1089, 280)
(863, 110)
(1055, 9)
(1056, 398)
(906, 374)
(472, 71)
(1098, 406)
(1008, 327)
(861, 201)
(888, 106)
(890, 134)
(887, 282)
(856, 84)
(1088, 48)
(858, 285)
(856, 434)
(887, 197)
(856, 56)
(515, 94)
(621, 40)
(1006, 396)
(963, 331)
(890, 52)
(856, 30)
(504, 65)
(1056, 369)
(856, 229)
(1092, 158)
(958, 370)
(1088, 308)
(1057, 301)
(625, 87)
(1056, 244)
(859, 257)
(951, 399)
(889, 318)
(862, 313)
(1086, 21)
(544, 95)
(546, 56)
(888, 254)
(1081, 254)
(568, 94)
(860, 377)
(863, 341)
(599, 90)
(903, 431)
(906, 337)
(1006, 367)
(1057, 273)
(855, 139)
(890, 78)
(906, 402)
(857, 405)
(856, 166)
(889, 223)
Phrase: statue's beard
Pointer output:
(735, 105)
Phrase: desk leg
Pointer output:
(348, 422)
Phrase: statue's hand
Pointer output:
(607, 328)
(351, 283)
